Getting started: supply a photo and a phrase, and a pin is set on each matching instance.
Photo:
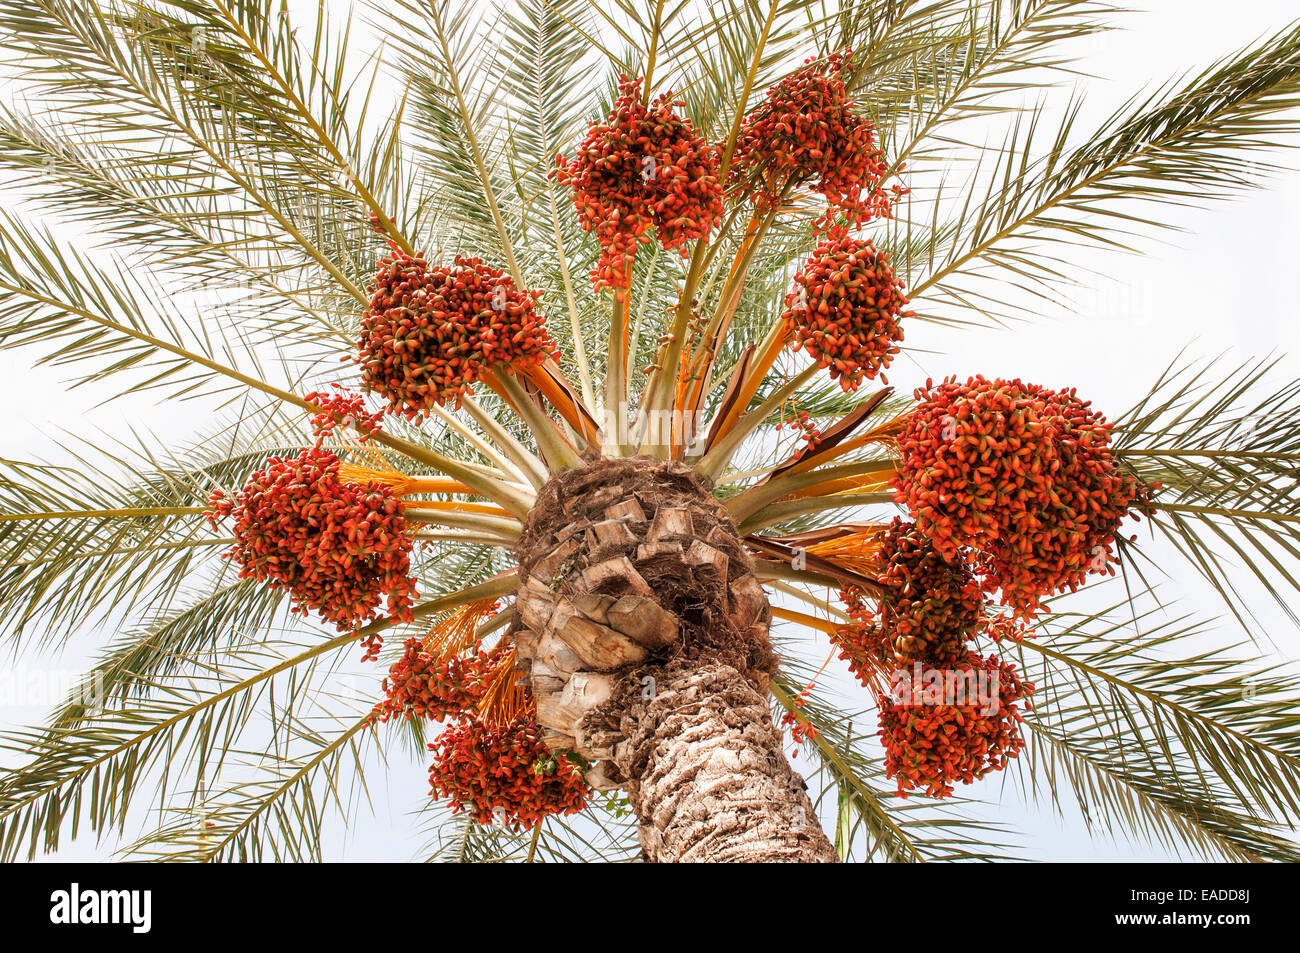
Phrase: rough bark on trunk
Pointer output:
(643, 634)
(712, 782)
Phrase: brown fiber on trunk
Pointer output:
(643, 634)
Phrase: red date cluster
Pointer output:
(806, 130)
(422, 685)
(929, 608)
(930, 746)
(924, 620)
(862, 643)
(1008, 627)
(337, 548)
(1021, 475)
(503, 774)
(845, 309)
(430, 331)
(342, 409)
(644, 167)
(801, 731)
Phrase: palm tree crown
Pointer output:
(553, 351)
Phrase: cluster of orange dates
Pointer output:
(919, 632)
(430, 331)
(338, 548)
(845, 309)
(424, 684)
(807, 130)
(1022, 477)
(953, 724)
(497, 772)
(930, 608)
(503, 774)
(342, 409)
(645, 167)
(1016, 496)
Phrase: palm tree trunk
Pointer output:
(711, 781)
(643, 634)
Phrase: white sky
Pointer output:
(1227, 282)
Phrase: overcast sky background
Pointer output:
(1226, 282)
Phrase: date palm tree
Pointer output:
(610, 572)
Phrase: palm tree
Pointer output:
(569, 514)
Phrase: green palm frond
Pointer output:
(75, 178)
(1183, 145)
(1115, 797)
(278, 815)
(74, 542)
(192, 719)
(126, 75)
(204, 622)
(1224, 445)
(1165, 734)
(71, 309)
(274, 808)
(122, 529)
(307, 102)
(454, 115)
(986, 54)
(543, 73)
(603, 833)
(89, 774)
